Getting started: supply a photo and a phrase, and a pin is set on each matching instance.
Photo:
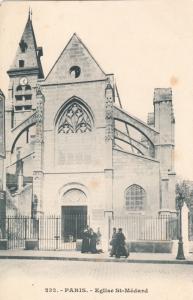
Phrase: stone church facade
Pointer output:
(72, 148)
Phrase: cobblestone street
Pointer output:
(93, 280)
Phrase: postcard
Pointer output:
(96, 180)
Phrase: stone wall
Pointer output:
(133, 169)
(81, 152)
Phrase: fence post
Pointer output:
(25, 228)
(57, 233)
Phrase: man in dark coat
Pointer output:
(113, 242)
(121, 249)
(86, 240)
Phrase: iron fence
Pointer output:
(56, 233)
(62, 233)
(150, 228)
(190, 226)
(50, 232)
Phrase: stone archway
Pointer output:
(74, 196)
(74, 213)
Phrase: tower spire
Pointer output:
(27, 54)
(30, 14)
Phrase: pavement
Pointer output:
(73, 255)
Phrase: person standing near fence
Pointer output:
(120, 248)
(93, 241)
(86, 240)
(113, 242)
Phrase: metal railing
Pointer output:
(51, 232)
(149, 228)
(190, 226)
(62, 233)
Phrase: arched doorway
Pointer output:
(74, 214)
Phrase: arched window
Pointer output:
(135, 198)
(23, 46)
(27, 87)
(75, 119)
(19, 88)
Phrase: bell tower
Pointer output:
(24, 72)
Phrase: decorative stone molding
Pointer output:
(37, 175)
(38, 90)
(109, 113)
(74, 196)
(39, 115)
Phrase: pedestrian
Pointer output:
(99, 242)
(113, 243)
(93, 241)
(86, 240)
(121, 249)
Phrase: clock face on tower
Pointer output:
(23, 81)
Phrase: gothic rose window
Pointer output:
(75, 119)
(135, 197)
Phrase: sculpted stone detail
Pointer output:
(75, 119)
(38, 90)
(109, 113)
(109, 108)
(39, 117)
(37, 175)
(37, 184)
(74, 196)
(39, 113)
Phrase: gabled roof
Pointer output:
(30, 54)
(75, 64)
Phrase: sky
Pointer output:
(146, 44)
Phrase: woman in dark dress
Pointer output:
(121, 249)
(86, 240)
(93, 241)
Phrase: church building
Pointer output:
(72, 149)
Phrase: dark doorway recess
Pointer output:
(74, 220)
